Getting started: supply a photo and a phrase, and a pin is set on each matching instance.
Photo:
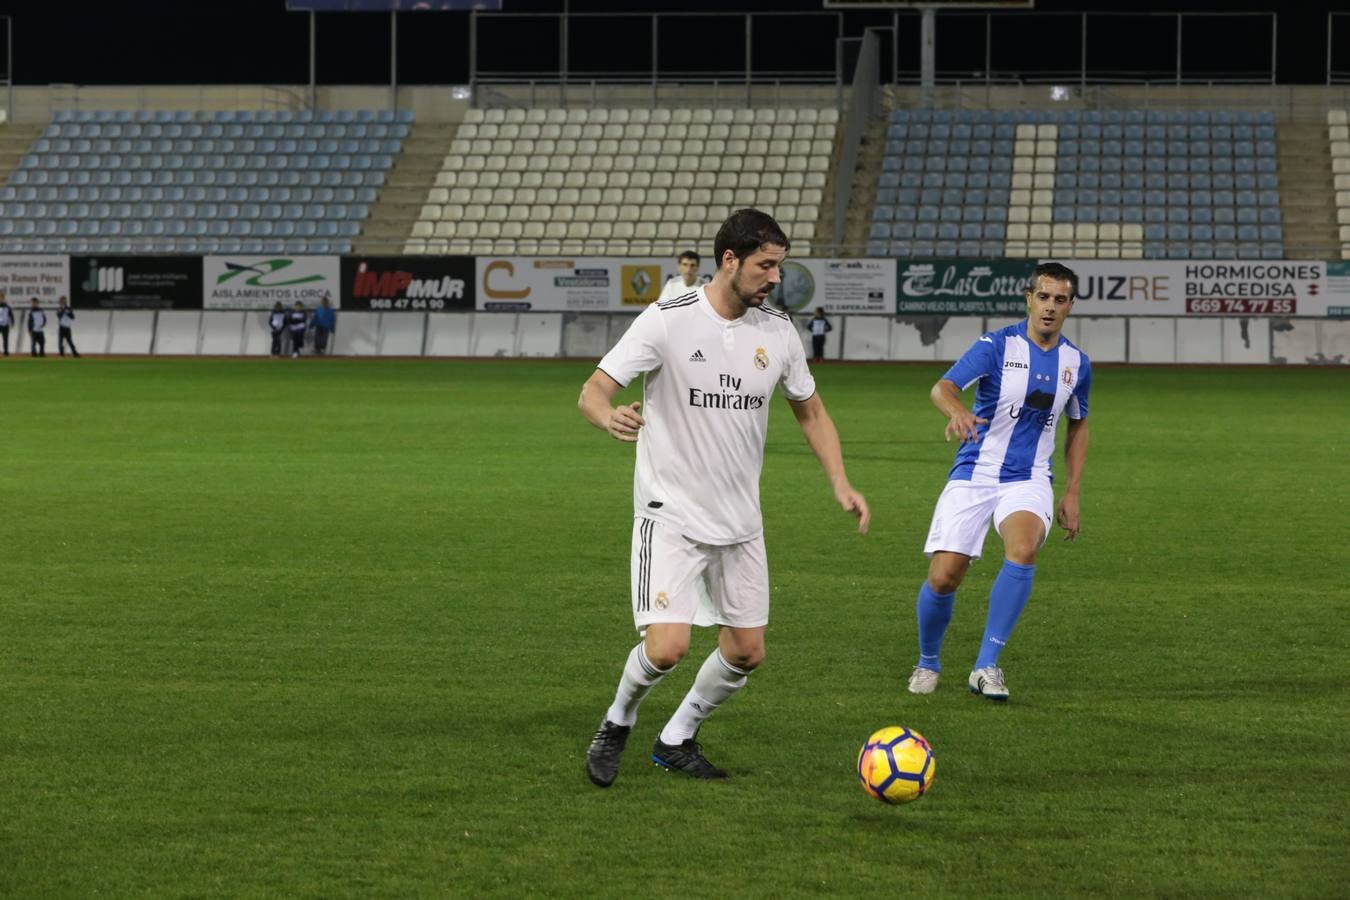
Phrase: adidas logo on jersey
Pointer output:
(698, 357)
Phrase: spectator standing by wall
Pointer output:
(277, 322)
(37, 330)
(6, 319)
(297, 321)
(820, 326)
(65, 322)
(325, 321)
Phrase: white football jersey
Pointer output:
(706, 404)
(675, 287)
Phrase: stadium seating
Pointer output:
(1338, 130)
(173, 181)
(1119, 184)
(622, 181)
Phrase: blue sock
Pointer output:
(935, 613)
(1007, 598)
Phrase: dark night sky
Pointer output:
(260, 42)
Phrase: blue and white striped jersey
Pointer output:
(1023, 391)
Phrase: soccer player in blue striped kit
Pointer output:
(1029, 375)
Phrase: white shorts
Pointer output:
(965, 509)
(679, 580)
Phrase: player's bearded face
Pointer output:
(757, 275)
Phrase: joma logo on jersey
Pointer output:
(1014, 364)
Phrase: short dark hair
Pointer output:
(745, 232)
(1057, 272)
(689, 254)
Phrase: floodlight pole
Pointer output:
(8, 61)
(988, 54)
(748, 52)
(393, 60)
(473, 58)
(1082, 66)
(1274, 44)
(1179, 21)
(927, 53)
(313, 52)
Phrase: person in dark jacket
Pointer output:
(6, 320)
(37, 330)
(297, 321)
(820, 326)
(277, 322)
(325, 321)
(65, 322)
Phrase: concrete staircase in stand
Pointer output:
(1307, 198)
(400, 200)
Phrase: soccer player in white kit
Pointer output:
(683, 283)
(1029, 375)
(712, 358)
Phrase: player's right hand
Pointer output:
(624, 422)
(963, 427)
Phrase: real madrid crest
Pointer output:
(662, 601)
(761, 358)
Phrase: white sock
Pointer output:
(639, 677)
(717, 680)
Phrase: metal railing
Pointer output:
(657, 71)
(1338, 66)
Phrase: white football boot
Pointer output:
(923, 681)
(988, 682)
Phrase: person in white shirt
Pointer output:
(684, 282)
(711, 359)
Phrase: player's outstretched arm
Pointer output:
(961, 422)
(1075, 457)
(823, 438)
(597, 405)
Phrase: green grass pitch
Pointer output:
(343, 628)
